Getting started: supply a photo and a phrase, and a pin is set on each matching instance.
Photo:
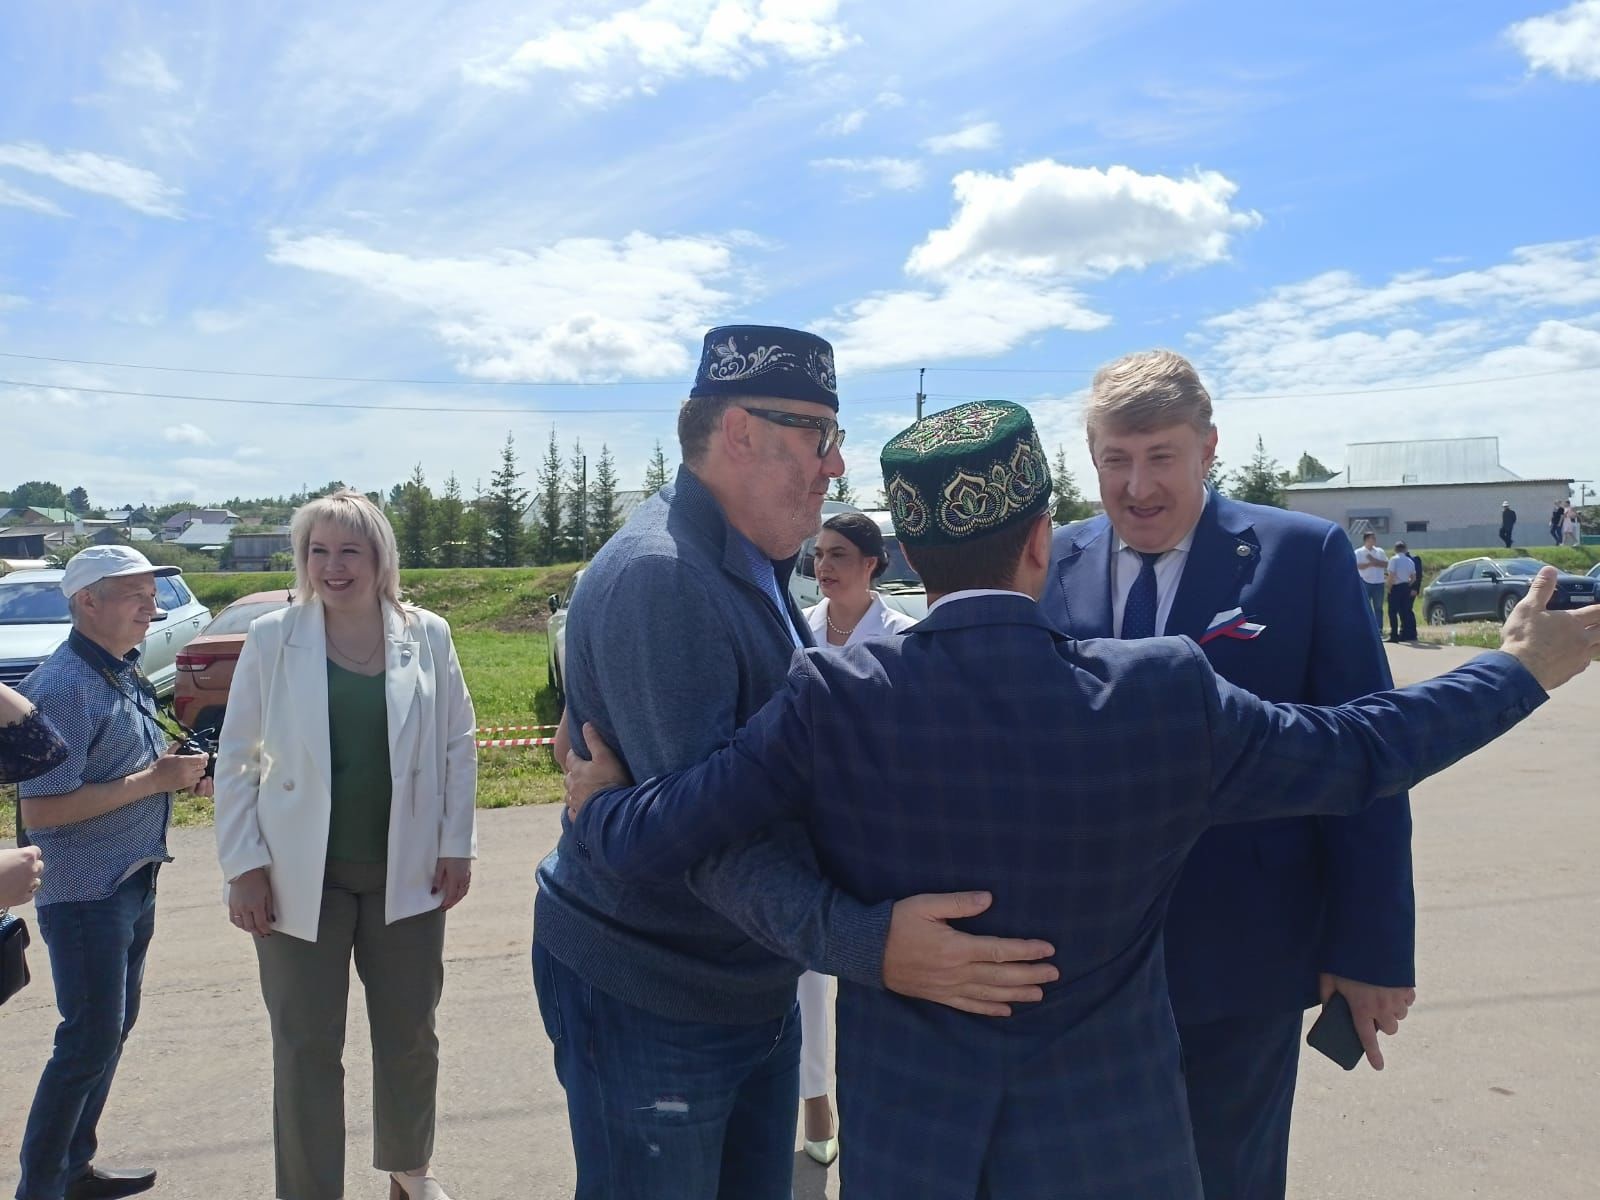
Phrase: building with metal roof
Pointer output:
(1437, 492)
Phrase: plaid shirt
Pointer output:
(108, 735)
(984, 750)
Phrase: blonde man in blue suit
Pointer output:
(1274, 916)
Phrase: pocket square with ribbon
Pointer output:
(1232, 624)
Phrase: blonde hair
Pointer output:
(1143, 392)
(354, 513)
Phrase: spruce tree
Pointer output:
(577, 504)
(475, 530)
(1069, 504)
(551, 533)
(447, 516)
(1260, 481)
(507, 500)
(842, 491)
(655, 474)
(603, 500)
(415, 524)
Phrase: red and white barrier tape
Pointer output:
(515, 728)
(497, 743)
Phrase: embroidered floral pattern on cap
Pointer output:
(905, 504)
(730, 364)
(970, 425)
(969, 503)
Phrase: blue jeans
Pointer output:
(670, 1110)
(1375, 600)
(97, 952)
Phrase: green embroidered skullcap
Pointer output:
(965, 472)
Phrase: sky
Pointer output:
(468, 219)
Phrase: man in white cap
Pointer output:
(100, 820)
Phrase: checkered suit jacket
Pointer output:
(982, 749)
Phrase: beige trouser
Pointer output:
(306, 986)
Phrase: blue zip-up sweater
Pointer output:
(672, 645)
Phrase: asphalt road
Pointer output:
(1492, 1088)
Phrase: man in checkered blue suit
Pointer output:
(985, 749)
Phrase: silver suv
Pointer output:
(34, 620)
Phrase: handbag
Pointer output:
(13, 961)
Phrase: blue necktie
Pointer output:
(1139, 614)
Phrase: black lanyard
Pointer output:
(143, 690)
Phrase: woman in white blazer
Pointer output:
(849, 556)
(346, 780)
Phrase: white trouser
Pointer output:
(815, 1017)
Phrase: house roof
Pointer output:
(201, 534)
(625, 501)
(208, 516)
(1425, 463)
(60, 516)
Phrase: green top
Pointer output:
(358, 736)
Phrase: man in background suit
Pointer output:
(1270, 917)
(936, 757)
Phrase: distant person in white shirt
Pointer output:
(849, 557)
(1373, 564)
(1402, 595)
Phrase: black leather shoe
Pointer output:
(98, 1184)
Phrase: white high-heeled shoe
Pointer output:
(404, 1186)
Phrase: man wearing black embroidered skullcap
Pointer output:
(671, 1006)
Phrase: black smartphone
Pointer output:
(1334, 1033)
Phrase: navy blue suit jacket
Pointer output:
(983, 749)
(1261, 909)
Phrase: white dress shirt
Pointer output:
(1125, 565)
(973, 593)
(878, 621)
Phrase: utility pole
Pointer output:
(921, 396)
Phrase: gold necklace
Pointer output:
(351, 658)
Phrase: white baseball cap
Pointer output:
(107, 562)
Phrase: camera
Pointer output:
(201, 742)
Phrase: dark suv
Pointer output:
(1489, 588)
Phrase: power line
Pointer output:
(530, 412)
(423, 408)
(1372, 391)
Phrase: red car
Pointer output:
(205, 665)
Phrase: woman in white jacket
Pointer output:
(849, 556)
(346, 778)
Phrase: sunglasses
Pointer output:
(829, 435)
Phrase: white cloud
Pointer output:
(967, 317)
(846, 123)
(892, 174)
(1565, 43)
(1497, 338)
(143, 69)
(185, 434)
(1008, 267)
(637, 49)
(1051, 219)
(141, 190)
(214, 321)
(578, 309)
(15, 197)
(985, 135)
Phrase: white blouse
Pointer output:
(878, 621)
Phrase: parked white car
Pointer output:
(34, 620)
(555, 632)
(899, 585)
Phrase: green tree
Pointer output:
(655, 474)
(1260, 481)
(603, 500)
(1309, 470)
(1217, 476)
(37, 493)
(78, 500)
(475, 530)
(447, 517)
(415, 525)
(576, 531)
(550, 506)
(842, 491)
(507, 502)
(1069, 504)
